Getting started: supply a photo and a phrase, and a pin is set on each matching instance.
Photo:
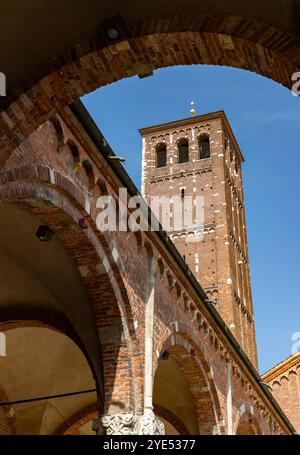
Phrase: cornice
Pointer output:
(282, 367)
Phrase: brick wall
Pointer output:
(115, 269)
(284, 381)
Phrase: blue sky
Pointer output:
(265, 118)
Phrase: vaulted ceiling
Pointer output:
(40, 362)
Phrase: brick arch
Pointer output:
(194, 369)
(156, 43)
(185, 337)
(112, 314)
(72, 425)
(35, 180)
(246, 424)
(164, 413)
(182, 140)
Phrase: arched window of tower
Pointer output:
(183, 151)
(161, 156)
(204, 148)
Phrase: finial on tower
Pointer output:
(192, 109)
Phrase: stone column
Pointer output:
(229, 398)
(148, 423)
(149, 315)
(128, 423)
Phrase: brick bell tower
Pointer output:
(200, 156)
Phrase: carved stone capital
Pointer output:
(149, 424)
(128, 423)
(122, 423)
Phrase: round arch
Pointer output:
(247, 424)
(45, 202)
(169, 417)
(41, 283)
(173, 40)
(34, 182)
(193, 369)
(78, 423)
